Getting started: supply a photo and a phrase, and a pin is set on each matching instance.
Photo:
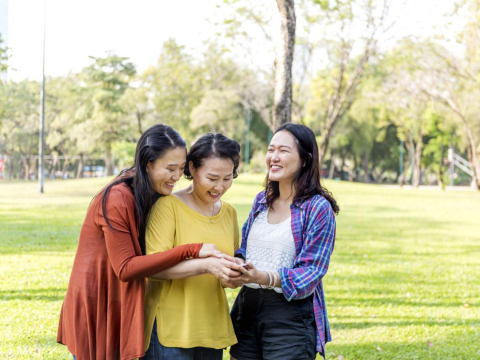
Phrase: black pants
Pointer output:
(270, 327)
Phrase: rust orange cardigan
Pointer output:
(102, 314)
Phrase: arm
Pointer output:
(120, 243)
(219, 267)
(160, 236)
(312, 263)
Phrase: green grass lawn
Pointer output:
(404, 279)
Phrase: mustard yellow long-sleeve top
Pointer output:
(194, 311)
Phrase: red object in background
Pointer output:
(2, 162)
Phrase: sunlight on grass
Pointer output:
(402, 284)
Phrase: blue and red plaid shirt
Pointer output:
(313, 228)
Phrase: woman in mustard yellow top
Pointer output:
(187, 318)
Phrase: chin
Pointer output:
(274, 177)
(164, 191)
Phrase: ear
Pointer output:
(149, 166)
(190, 167)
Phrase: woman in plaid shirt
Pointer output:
(287, 241)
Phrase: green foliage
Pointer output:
(107, 78)
(19, 124)
(401, 282)
(3, 57)
(124, 152)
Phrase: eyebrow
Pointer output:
(271, 145)
(214, 175)
(175, 164)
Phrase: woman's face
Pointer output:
(167, 170)
(283, 160)
(212, 179)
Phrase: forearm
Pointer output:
(262, 278)
(184, 270)
(298, 284)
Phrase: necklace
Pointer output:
(213, 209)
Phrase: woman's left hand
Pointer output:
(208, 250)
(250, 274)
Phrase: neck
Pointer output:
(198, 200)
(287, 192)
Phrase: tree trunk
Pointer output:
(440, 171)
(139, 121)
(355, 168)
(66, 164)
(474, 157)
(417, 163)
(109, 160)
(364, 159)
(331, 172)
(471, 141)
(54, 165)
(26, 167)
(81, 165)
(282, 111)
(323, 147)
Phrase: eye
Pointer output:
(171, 170)
(270, 150)
(212, 180)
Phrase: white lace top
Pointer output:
(270, 246)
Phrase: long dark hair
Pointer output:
(212, 145)
(307, 181)
(152, 145)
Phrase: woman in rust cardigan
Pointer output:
(102, 314)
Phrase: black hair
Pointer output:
(307, 182)
(212, 146)
(152, 145)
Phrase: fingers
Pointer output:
(229, 285)
(229, 258)
(218, 254)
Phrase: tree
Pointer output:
(106, 121)
(350, 31)
(3, 57)
(282, 112)
(175, 87)
(19, 130)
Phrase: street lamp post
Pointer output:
(41, 146)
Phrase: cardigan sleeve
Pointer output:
(126, 264)
(312, 262)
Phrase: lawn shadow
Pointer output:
(43, 294)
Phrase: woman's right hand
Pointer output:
(222, 269)
(208, 250)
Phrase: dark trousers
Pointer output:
(157, 351)
(270, 327)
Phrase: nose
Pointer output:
(176, 175)
(275, 156)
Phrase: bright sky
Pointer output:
(137, 29)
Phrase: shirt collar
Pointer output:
(299, 204)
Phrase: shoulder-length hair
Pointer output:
(152, 145)
(306, 182)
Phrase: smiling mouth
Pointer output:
(214, 194)
(275, 167)
(171, 185)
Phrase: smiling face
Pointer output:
(283, 160)
(212, 179)
(167, 170)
